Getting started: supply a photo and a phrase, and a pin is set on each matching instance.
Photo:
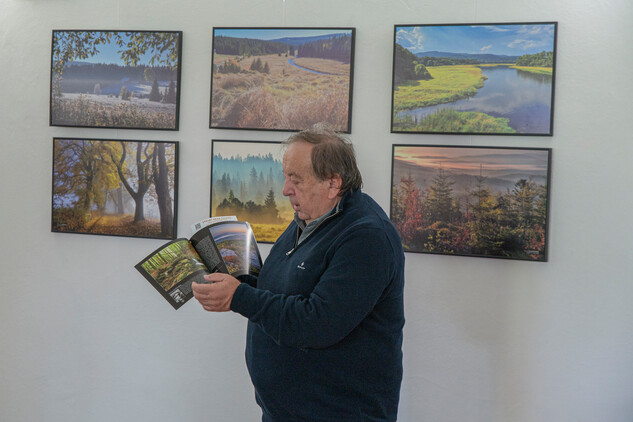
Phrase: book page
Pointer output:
(211, 220)
(236, 245)
(204, 244)
(172, 268)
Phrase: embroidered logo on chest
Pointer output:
(301, 267)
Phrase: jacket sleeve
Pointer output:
(361, 270)
(248, 279)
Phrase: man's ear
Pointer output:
(335, 183)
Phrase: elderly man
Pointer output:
(324, 340)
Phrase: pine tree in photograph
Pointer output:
(154, 94)
(408, 212)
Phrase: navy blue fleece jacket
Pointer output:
(324, 340)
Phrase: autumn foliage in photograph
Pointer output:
(125, 188)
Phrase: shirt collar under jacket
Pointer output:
(307, 229)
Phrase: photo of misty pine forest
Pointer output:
(281, 79)
(124, 188)
(247, 182)
(486, 202)
(115, 79)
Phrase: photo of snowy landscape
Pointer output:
(115, 79)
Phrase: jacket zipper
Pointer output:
(315, 229)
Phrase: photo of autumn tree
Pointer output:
(247, 181)
(471, 201)
(281, 78)
(115, 79)
(111, 187)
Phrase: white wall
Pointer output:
(84, 338)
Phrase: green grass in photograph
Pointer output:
(535, 69)
(449, 84)
(449, 120)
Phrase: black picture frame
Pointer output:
(115, 79)
(115, 187)
(282, 78)
(474, 79)
(247, 181)
(474, 201)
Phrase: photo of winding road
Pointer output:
(281, 79)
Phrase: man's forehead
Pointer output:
(297, 157)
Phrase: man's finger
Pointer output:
(214, 277)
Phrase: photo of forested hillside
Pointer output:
(474, 79)
(115, 79)
(472, 201)
(281, 78)
(112, 187)
(247, 181)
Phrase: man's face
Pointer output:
(309, 196)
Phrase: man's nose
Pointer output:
(286, 190)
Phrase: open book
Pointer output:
(216, 246)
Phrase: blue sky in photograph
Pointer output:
(513, 40)
(109, 53)
(275, 33)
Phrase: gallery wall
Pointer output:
(85, 338)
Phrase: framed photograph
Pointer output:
(475, 79)
(115, 187)
(247, 181)
(115, 79)
(283, 79)
(472, 201)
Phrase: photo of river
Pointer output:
(474, 79)
(522, 97)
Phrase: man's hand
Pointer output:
(216, 296)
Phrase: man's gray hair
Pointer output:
(332, 154)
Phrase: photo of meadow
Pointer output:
(115, 79)
(494, 79)
(284, 79)
(115, 187)
(472, 201)
(247, 181)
